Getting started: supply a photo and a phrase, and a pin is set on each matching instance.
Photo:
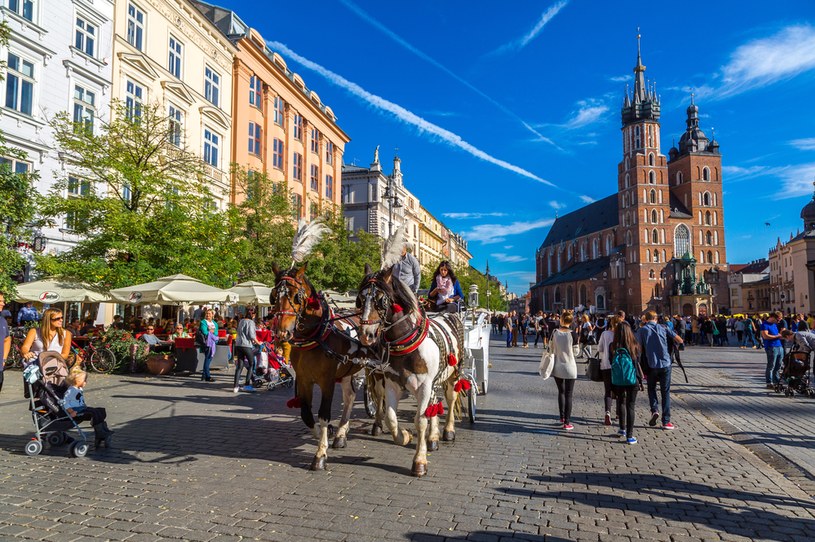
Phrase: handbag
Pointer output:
(593, 370)
(591, 339)
(546, 365)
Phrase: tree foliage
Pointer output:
(146, 208)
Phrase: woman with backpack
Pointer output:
(603, 350)
(565, 367)
(626, 377)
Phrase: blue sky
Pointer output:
(503, 116)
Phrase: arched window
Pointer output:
(715, 174)
(653, 196)
(546, 301)
(679, 178)
(656, 256)
(595, 248)
(628, 238)
(661, 216)
(557, 296)
(707, 218)
(654, 216)
(625, 200)
(559, 257)
(651, 274)
(637, 137)
(569, 252)
(715, 218)
(716, 257)
(706, 199)
(701, 256)
(648, 255)
(706, 173)
(627, 164)
(709, 257)
(627, 181)
(681, 241)
(655, 236)
(652, 177)
(664, 256)
(609, 244)
(569, 297)
(549, 263)
(651, 159)
(582, 296)
(583, 252)
(708, 238)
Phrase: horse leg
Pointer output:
(433, 435)
(345, 421)
(304, 394)
(377, 390)
(324, 415)
(401, 437)
(423, 394)
(451, 397)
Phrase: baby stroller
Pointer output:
(795, 375)
(44, 386)
(271, 372)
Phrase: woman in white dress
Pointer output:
(565, 368)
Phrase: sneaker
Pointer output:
(621, 432)
(236, 389)
(668, 426)
(654, 417)
(568, 426)
(631, 440)
(607, 419)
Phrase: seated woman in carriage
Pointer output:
(445, 289)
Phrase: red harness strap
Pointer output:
(410, 343)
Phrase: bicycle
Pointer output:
(100, 359)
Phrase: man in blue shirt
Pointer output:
(654, 341)
(773, 348)
(5, 339)
(27, 314)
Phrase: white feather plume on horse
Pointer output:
(392, 248)
(307, 236)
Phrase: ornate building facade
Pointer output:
(792, 268)
(658, 242)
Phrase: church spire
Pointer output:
(643, 104)
(640, 92)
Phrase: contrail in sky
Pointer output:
(402, 114)
(427, 58)
(523, 41)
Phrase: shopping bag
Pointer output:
(546, 365)
(593, 370)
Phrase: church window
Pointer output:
(679, 178)
(608, 245)
(582, 252)
(627, 165)
(706, 199)
(582, 295)
(715, 218)
(681, 241)
(706, 174)
(652, 177)
(716, 257)
(637, 138)
(651, 159)
(549, 263)
(651, 274)
(662, 236)
(653, 196)
(628, 238)
(557, 296)
(707, 218)
(655, 236)
(715, 200)
(650, 136)
(715, 174)
(701, 256)
(716, 238)
(595, 248)
(708, 238)
(648, 256)
(569, 252)
(654, 216)
(709, 257)
(645, 236)
(627, 181)
(661, 216)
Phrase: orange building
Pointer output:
(279, 126)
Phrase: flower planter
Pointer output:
(159, 364)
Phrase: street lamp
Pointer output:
(393, 202)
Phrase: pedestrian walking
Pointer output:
(245, 352)
(539, 324)
(749, 330)
(586, 336)
(603, 346)
(516, 325)
(565, 368)
(626, 377)
(653, 340)
(508, 326)
(773, 348)
(5, 339)
(207, 339)
(525, 330)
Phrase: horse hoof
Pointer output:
(376, 431)
(339, 442)
(419, 469)
(318, 463)
(448, 436)
(433, 446)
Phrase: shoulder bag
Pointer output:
(593, 370)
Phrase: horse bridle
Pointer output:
(379, 305)
(299, 299)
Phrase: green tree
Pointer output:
(144, 209)
(17, 204)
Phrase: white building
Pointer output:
(59, 59)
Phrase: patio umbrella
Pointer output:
(59, 291)
(173, 290)
(252, 293)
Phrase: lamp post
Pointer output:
(393, 202)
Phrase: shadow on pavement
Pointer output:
(484, 536)
(676, 500)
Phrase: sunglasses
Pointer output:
(56, 319)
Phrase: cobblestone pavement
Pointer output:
(193, 461)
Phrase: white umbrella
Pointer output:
(342, 301)
(252, 293)
(52, 291)
(173, 290)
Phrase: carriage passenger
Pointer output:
(445, 288)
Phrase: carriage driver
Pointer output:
(407, 270)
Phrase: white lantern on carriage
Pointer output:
(472, 298)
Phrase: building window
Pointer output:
(315, 141)
(678, 178)
(174, 60)
(608, 245)
(84, 109)
(329, 186)
(654, 216)
(85, 37)
(681, 241)
(315, 178)
(212, 148)
(254, 138)
(650, 159)
(329, 153)
(297, 166)
(176, 121)
(595, 249)
(297, 122)
(277, 154)
(23, 8)
(706, 173)
(255, 91)
(20, 84)
(652, 177)
(212, 86)
(135, 26)
(77, 188)
(655, 236)
(17, 166)
(296, 206)
(653, 196)
(656, 256)
(134, 97)
(278, 110)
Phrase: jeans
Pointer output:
(244, 357)
(774, 356)
(509, 337)
(207, 362)
(565, 389)
(663, 376)
(748, 336)
(606, 373)
(626, 396)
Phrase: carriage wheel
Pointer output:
(472, 393)
(33, 447)
(103, 361)
(368, 401)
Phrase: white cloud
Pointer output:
(762, 62)
(806, 144)
(464, 216)
(620, 79)
(556, 205)
(734, 173)
(403, 115)
(795, 180)
(508, 247)
(365, 16)
(523, 41)
(588, 111)
(587, 199)
(507, 258)
(495, 233)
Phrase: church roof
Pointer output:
(678, 209)
(579, 271)
(594, 217)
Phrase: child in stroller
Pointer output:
(795, 374)
(74, 404)
(272, 368)
(46, 385)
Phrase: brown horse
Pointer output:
(421, 356)
(323, 352)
